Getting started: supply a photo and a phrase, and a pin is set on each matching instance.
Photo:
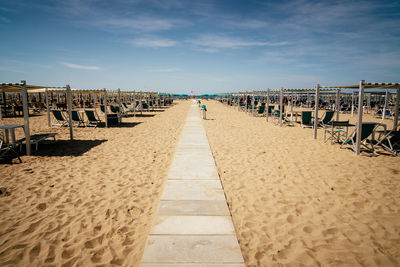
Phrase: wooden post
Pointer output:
(24, 94)
(337, 104)
(47, 107)
(4, 104)
(316, 107)
(386, 104)
(267, 115)
(134, 104)
(280, 107)
(396, 113)
(69, 108)
(291, 107)
(105, 106)
(119, 105)
(360, 115)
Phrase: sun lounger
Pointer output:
(93, 118)
(367, 128)
(37, 138)
(59, 119)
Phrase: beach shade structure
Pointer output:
(366, 86)
(23, 89)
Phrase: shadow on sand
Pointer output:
(62, 148)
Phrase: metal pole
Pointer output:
(280, 107)
(24, 94)
(105, 106)
(360, 115)
(69, 107)
(316, 106)
(267, 104)
(47, 108)
(386, 104)
(337, 104)
(352, 104)
(396, 113)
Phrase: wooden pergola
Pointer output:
(365, 86)
(23, 89)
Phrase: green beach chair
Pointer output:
(77, 119)
(93, 119)
(327, 118)
(306, 119)
(59, 119)
(367, 128)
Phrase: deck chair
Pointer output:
(93, 119)
(367, 128)
(77, 119)
(103, 108)
(7, 152)
(306, 119)
(59, 119)
(336, 130)
(261, 110)
(327, 118)
(391, 142)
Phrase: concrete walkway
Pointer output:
(193, 226)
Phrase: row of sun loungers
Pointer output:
(338, 131)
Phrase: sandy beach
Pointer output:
(90, 202)
(299, 201)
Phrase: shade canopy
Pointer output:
(17, 87)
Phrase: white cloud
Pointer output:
(4, 19)
(212, 42)
(247, 24)
(166, 70)
(154, 42)
(144, 24)
(80, 67)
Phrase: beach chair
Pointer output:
(77, 119)
(59, 119)
(93, 118)
(336, 130)
(367, 128)
(7, 151)
(261, 110)
(102, 108)
(390, 142)
(306, 119)
(327, 118)
(37, 138)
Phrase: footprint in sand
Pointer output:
(41, 206)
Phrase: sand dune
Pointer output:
(90, 202)
(296, 200)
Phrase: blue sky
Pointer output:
(200, 46)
